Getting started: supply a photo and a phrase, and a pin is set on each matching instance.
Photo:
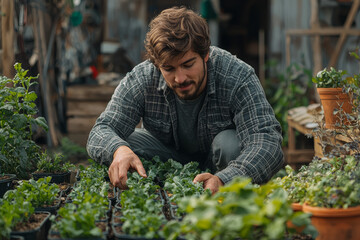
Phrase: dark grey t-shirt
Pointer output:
(187, 113)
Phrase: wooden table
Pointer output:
(303, 120)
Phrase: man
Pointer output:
(197, 103)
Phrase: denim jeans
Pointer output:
(224, 148)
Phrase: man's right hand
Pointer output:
(124, 160)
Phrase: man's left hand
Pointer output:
(209, 181)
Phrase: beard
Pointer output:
(192, 93)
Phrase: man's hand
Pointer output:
(209, 181)
(124, 160)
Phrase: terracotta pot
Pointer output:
(335, 224)
(296, 207)
(332, 98)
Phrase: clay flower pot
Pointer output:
(296, 207)
(333, 98)
(335, 223)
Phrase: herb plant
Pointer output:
(330, 78)
(18, 152)
(88, 205)
(239, 210)
(326, 182)
(53, 164)
(39, 193)
(76, 222)
(12, 212)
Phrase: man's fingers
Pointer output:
(202, 177)
(122, 177)
(139, 168)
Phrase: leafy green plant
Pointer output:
(71, 150)
(39, 193)
(330, 78)
(141, 208)
(325, 182)
(88, 205)
(287, 90)
(239, 210)
(95, 170)
(76, 222)
(18, 152)
(53, 164)
(12, 212)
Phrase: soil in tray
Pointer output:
(301, 237)
(34, 222)
(167, 212)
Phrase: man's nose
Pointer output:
(180, 76)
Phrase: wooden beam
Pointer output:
(85, 108)
(343, 35)
(316, 42)
(8, 38)
(327, 31)
(90, 92)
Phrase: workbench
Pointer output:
(304, 120)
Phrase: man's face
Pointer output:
(186, 75)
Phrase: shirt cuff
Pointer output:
(229, 173)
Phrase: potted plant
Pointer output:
(43, 195)
(19, 218)
(6, 183)
(18, 151)
(330, 84)
(240, 210)
(53, 166)
(86, 215)
(330, 186)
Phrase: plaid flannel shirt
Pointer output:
(234, 100)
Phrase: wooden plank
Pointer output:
(326, 31)
(300, 156)
(90, 92)
(80, 124)
(85, 108)
(299, 127)
(78, 138)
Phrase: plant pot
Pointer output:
(333, 98)
(334, 224)
(55, 177)
(118, 234)
(54, 235)
(39, 233)
(296, 207)
(6, 183)
(52, 209)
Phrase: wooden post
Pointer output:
(8, 38)
(262, 56)
(316, 43)
(343, 35)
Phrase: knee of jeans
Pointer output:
(225, 147)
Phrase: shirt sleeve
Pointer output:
(118, 121)
(258, 130)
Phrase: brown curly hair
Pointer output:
(174, 32)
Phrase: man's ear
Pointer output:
(206, 58)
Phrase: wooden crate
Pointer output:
(84, 105)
